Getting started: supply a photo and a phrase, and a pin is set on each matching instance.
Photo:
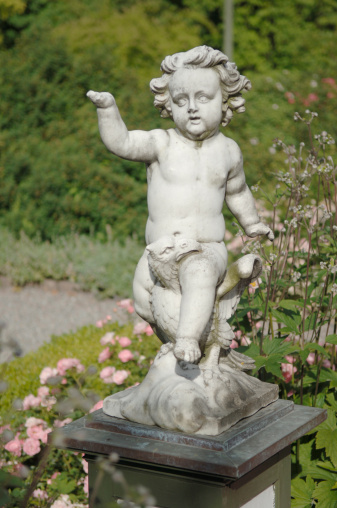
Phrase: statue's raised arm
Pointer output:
(135, 145)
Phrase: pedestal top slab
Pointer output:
(232, 454)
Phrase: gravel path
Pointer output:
(29, 316)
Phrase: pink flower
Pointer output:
(99, 324)
(104, 355)
(53, 476)
(98, 405)
(14, 446)
(140, 328)
(108, 338)
(32, 421)
(120, 376)
(287, 371)
(127, 305)
(290, 359)
(290, 97)
(311, 358)
(31, 446)
(31, 401)
(125, 355)
(62, 502)
(40, 494)
(245, 341)
(43, 391)
(124, 341)
(106, 374)
(62, 423)
(4, 427)
(85, 466)
(149, 331)
(330, 95)
(46, 373)
(329, 81)
(37, 432)
(234, 344)
(86, 485)
(69, 363)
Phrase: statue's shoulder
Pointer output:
(160, 136)
(231, 148)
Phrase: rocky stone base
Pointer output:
(191, 398)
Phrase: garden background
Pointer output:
(70, 210)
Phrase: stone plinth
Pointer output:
(249, 461)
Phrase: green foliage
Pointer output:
(55, 174)
(87, 261)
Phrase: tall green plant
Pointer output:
(288, 321)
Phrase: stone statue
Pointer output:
(182, 284)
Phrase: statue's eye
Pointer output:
(203, 98)
(181, 102)
(166, 250)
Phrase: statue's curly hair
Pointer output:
(232, 82)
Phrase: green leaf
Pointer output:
(327, 437)
(291, 304)
(302, 492)
(332, 400)
(331, 339)
(292, 321)
(327, 498)
(312, 346)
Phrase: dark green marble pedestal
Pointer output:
(248, 466)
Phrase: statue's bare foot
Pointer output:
(187, 350)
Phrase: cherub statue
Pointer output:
(191, 170)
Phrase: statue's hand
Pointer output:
(259, 229)
(101, 99)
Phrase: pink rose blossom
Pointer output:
(234, 344)
(120, 376)
(31, 401)
(31, 446)
(14, 446)
(125, 355)
(46, 373)
(62, 423)
(106, 374)
(99, 324)
(69, 363)
(43, 391)
(37, 432)
(4, 427)
(127, 305)
(140, 328)
(62, 502)
(124, 341)
(98, 405)
(32, 421)
(40, 494)
(108, 338)
(104, 355)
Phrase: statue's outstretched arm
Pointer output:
(141, 146)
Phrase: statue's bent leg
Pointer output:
(199, 276)
(143, 283)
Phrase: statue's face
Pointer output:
(196, 102)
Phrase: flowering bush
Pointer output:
(58, 395)
(289, 315)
